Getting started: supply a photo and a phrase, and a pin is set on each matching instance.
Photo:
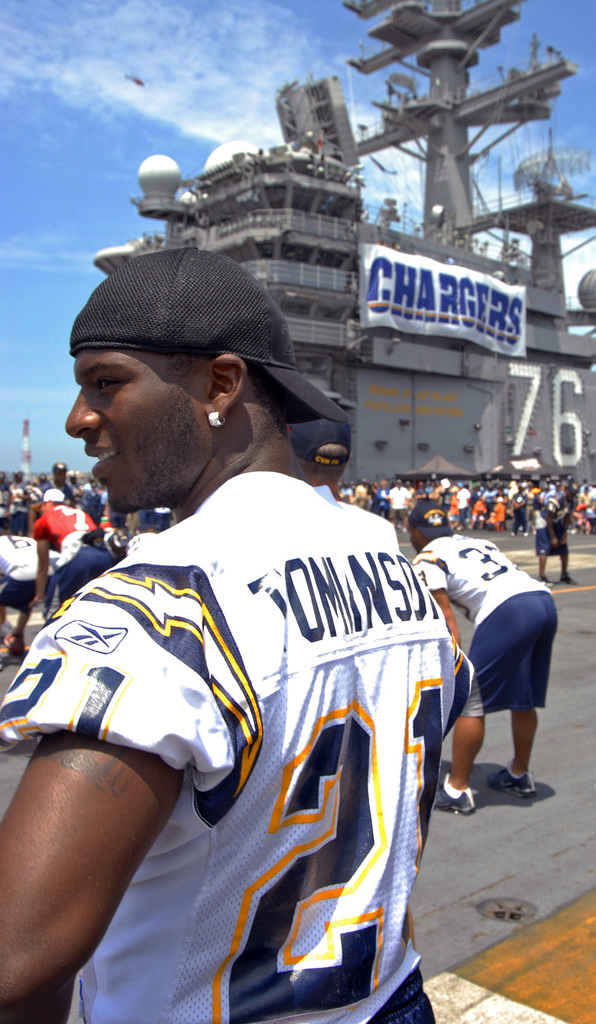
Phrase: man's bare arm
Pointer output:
(43, 568)
(550, 525)
(444, 604)
(83, 817)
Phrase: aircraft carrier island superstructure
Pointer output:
(436, 341)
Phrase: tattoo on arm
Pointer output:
(109, 767)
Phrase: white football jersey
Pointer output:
(381, 523)
(18, 558)
(290, 663)
(476, 575)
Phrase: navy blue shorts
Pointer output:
(511, 652)
(17, 523)
(88, 563)
(543, 544)
(16, 593)
(409, 1004)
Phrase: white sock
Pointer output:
(451, 790)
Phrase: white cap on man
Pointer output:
(53, 494)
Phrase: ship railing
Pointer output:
(523, 198)
(315, 332)
(272, 272)
(289, 220)
(408, 236)
(445, 6)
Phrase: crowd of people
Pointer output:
(489, 505)
(55, 535)
(20, 502)
(549, 509)
(479, 505)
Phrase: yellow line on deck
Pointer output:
(550, 965)
(571, 590)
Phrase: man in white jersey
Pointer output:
(18, 571)
(241, 724)
(515, 623)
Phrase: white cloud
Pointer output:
(210, 72)
(47, 251)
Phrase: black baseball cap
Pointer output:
(192, 300)
(59, 466)
(308, 438)
(431, 520)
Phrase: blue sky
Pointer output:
(75, 130)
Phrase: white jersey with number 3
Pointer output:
(289, 662)
(476, 575)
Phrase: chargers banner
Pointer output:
(422, 296)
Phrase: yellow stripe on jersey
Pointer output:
(416, 747)
(165, 630)
(254, 735)
(168, 624)
(249, 718)
(332, 938)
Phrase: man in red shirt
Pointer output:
(61, 528)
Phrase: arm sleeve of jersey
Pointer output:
(143, 658)
(432, 571)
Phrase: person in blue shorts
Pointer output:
(515, 622)
(552, 522)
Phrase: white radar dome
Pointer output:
(586, 291)
(223, 154)
(159, 176)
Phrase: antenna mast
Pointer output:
(26, 452)
(444, 37)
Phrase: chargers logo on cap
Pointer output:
(435, 517)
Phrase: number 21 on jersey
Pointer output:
(314, 941)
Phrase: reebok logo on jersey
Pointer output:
(102, 639)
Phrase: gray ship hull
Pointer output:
(403, 417)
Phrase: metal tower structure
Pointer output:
(550, 209)
(445, 37)
(26, 452)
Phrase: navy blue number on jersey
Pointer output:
(340, 758)
(485, 559)
(424, 739)
(313, 945)
(27, 689)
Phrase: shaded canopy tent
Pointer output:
(439, 467)
(527, 466)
